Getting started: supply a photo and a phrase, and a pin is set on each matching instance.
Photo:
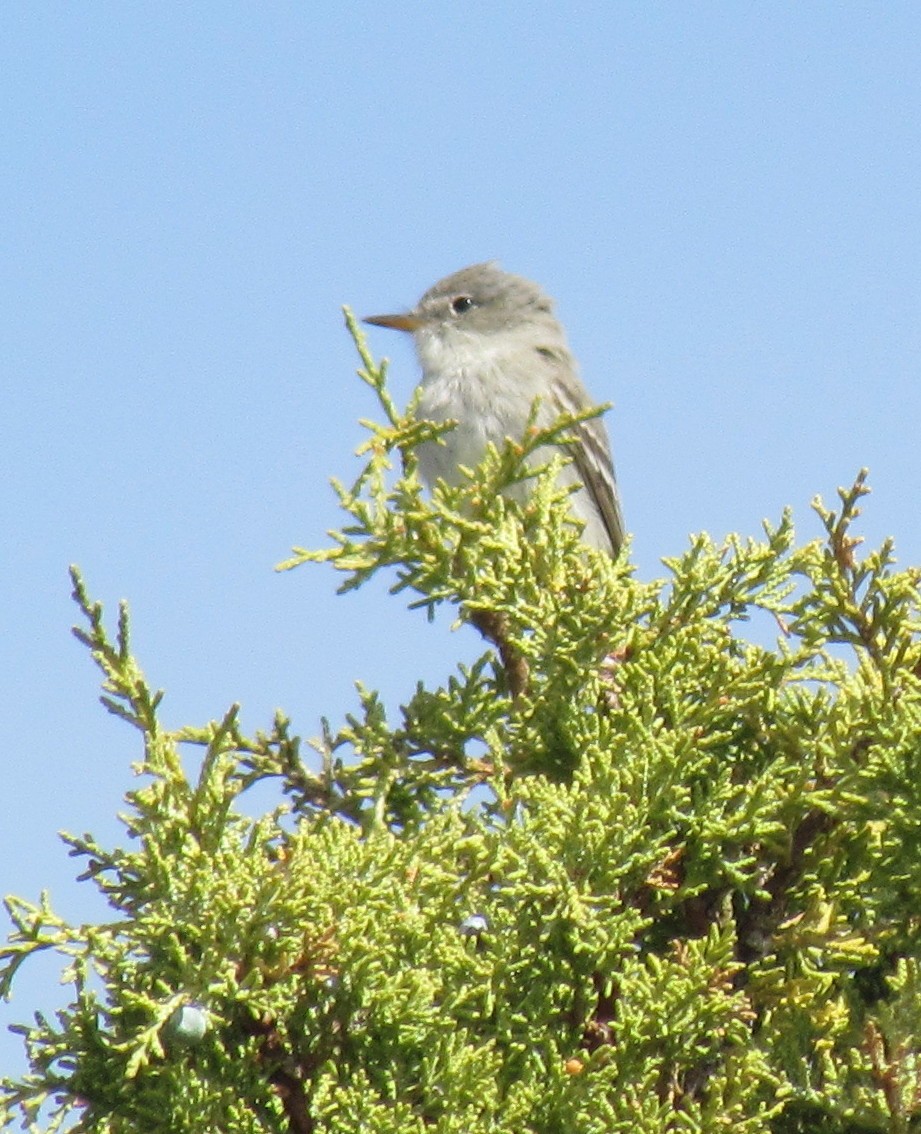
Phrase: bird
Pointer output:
(489, 346)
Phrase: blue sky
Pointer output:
(723, 198)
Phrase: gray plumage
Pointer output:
(489, 345)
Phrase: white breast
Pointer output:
(480, 388)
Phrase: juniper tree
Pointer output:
(630, 871)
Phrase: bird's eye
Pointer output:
(461, 303)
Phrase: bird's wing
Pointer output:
(592, 452)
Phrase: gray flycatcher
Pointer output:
(489, 346)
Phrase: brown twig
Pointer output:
(286, 1079)
(494, 628)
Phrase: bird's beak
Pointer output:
(407, 322)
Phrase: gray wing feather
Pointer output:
(592, 451)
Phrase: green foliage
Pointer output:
(631, 871)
